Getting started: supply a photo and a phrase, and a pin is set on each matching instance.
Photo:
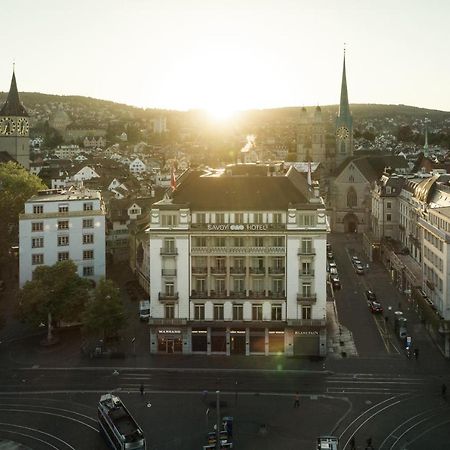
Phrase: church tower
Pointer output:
(344, 124)
(15, 127)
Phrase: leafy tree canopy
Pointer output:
(16, 186)
(105, 314)
(57, 290)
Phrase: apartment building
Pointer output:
(58, 225)
(237, 264)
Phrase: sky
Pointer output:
(231, 54)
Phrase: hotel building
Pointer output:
(237, 264)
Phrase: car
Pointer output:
(333, 271)
(355, 258)
(332, 265)
(356, 261)
(370, 295)
(330, 256)
(336, 282)
(359, 269)
(374, 306)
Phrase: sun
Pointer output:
(220, 113)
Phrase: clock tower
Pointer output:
(15, 127)
(344, 124)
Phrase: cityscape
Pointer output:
(204, 261)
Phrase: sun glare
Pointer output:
(220, 114)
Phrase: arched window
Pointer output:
(351, 179)
(352, 199)
(343, 148)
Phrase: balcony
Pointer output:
(278, 295)
(257, 270)
(237, 294)
(199, 294)
(168, 272)
(199, 270)
(306, 298)
(306, 322)
(237, 270)
(214, 294)
(256, 295)
(276, 270)
(306, 251)
(167, 322)
(167, 297)
(168, 251)
(219, 270)
(306, 273)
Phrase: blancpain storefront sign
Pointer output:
(237, 227)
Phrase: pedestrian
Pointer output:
(443, 390)
(416, 353)
(141, 388)
(352, 443)
(297, 400)
(369, 444)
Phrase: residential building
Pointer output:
(58, 225)
(237, 264)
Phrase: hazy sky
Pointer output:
(234, 54)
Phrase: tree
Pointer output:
(105, 313)
(16, 186)
(56, 293)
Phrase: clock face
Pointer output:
(7, 126)
(23, 127)
(342, 133)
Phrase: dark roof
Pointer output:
(239, 193)
(5, 157)
(12, 106)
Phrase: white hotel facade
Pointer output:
(58, 225)
(238, 264)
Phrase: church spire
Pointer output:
(344, 109)
(12, 106)
(425, 147)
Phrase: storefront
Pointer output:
(257, 341)
(238, 341)
(169, 341)
(218, 340)
(199, 340)
(276, 341)
(306, 343)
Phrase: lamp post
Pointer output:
(218, 420)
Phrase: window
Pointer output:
(238, 285)
(38, 209)
(306, 312)
(306, 268)
(88, 238)
(201, 218)
(88, 223)
(169, 220)
(276, 312)
(239, 242)
(278, 285)
(351, 179)
(220, 242)
(278, 263)
(169, 245)
(257, 312)
(220, 263)
(199, 312)
(63, 256)
(220, 285)
(63, 241)
(220, 218)
(37, 226)
(306, 245)
(306, 220)
(388, 205)
(258, 285)
(63, 224)
(169, 289)
(88, 206)
(218, 311)
(306, 290)
(199, 242)
(63, 208)
(277, 218)
(169, 311)
(200, 285)
(37, 242)
(238, 312)
(239, 263)
(259, 242)
(37, 259)
(239, 217)
(88, 254)
(278, 241)
(88, 271)
(388, 217)
(258, 217)
(135, 211)
(352, 199)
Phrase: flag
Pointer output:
(173, 180)
(309, 173)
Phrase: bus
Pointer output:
(327, 443)
(118, 426)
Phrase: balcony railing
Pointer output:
(168, 251)
(310, 298)
(167, 322)
(237, 294)
(276, 270)
(260, 295)
(221, 270)
(164, 296)
(199, 294)
(306, 273)
(168, 272)
(238, 250)
(201, 270)
(306, 322)
(257, 270)
(280, 295)
(235, 270)
(306, 251)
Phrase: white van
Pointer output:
(144, 309)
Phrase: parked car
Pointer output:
(331, 265)
(333, 271)
(370, 295)
(359, 269)
(356, 262)
(355, 258)
(336, 282)
(374, 306)
(330, 256)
